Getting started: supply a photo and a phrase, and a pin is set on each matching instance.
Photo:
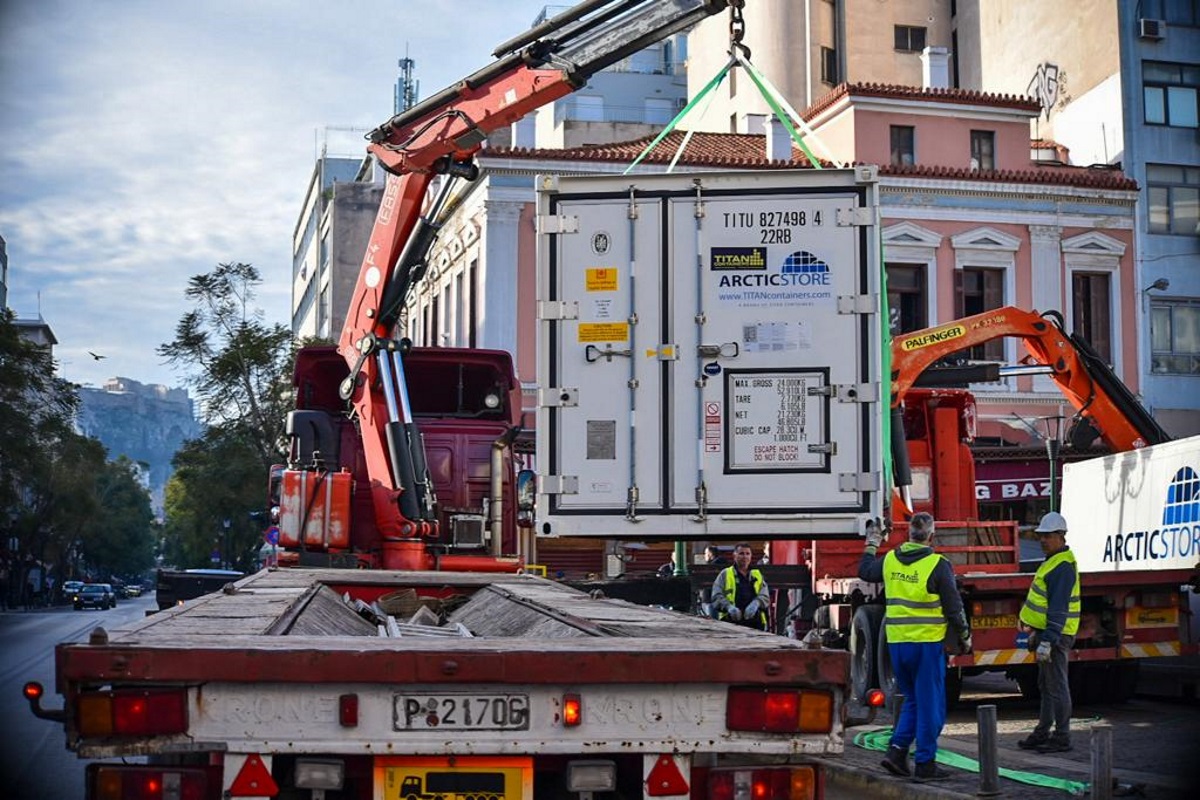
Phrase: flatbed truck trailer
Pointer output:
(282, 685)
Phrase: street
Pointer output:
(34, 760)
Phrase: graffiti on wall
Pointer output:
(1049, 85)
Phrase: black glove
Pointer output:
(1032, 644)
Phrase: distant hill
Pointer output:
(145, 422)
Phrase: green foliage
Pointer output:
(66, 505)
(240, 371)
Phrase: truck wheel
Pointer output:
(1125, 680)
(887, 678)
(954, 680)
(864, 633)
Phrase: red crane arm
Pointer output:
(440, 136)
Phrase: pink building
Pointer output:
(975, 216)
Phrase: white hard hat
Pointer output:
(1052, 523)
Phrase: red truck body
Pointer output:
(1126, 615)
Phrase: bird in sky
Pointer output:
(93, 355)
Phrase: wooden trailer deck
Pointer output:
(295, 624)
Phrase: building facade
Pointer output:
(971, 222)
(1132, 104)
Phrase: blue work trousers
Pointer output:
(920, 670)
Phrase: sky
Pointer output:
(144, 142)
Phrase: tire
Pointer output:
(1125, 680)
(865, 630)
(887, 677)
(954, 682)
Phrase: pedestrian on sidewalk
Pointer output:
(1051, 617)
(922, 601)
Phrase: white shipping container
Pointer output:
(1133, 511)
(709, 355)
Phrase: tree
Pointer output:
(237, 365)
(240, 369)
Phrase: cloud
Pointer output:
(145, 142)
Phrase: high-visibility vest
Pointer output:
(756, 580)
(914, 614)
(1033, 613)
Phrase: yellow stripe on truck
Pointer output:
(1150, 649)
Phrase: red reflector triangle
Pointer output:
(254, 780)
(665, 779)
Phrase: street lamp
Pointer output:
(1053, 431)
(228, 557)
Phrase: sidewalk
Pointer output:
(859, 770)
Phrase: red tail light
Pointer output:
(122, 782)
(777, 783)
(132, 712)
(572, 706)
(779, 710)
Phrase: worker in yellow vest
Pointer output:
(922, 602)
(740, 594)
(1051, 617)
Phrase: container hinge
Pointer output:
(858, 481)
(557, 309)
(558, 398)
(847, 392)
(558, 223)
(559, 484)
(828, 448)
(855, 217)
(858, 304)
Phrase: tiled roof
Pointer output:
(963, 96)
(748, 151)
(740, 150)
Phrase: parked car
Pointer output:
(95, 595)
(133, 590)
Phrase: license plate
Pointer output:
(462, 712)
(994, 621)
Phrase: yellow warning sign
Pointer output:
(601, 279)
(1141, 617)
(604, 331)
(475, 778)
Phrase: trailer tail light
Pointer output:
(136, 782)
(132, 712)
(779, 710)
(876, 698)
(786, 783)
(572, 710)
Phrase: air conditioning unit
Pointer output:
(1153, 29)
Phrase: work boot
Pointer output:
(895, 761)
(1033, 741)
(930, 771)
(1058, 743)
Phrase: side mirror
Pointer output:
(526, 497)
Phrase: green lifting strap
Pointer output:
(878, 740)
(712, 84)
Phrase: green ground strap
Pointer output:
(878, 740)
(885, 389)
(712, 84)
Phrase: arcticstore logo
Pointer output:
(745, 277)
(1179, 535)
